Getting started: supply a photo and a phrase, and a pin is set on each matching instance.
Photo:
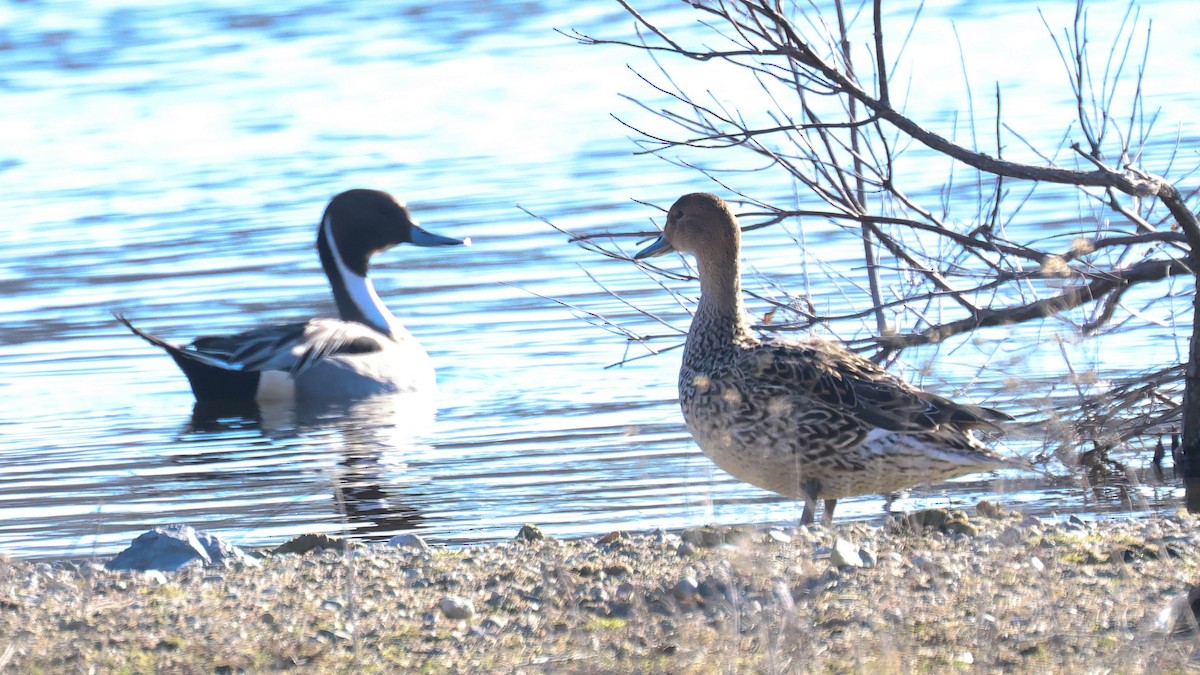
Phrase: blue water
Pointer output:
(172, 161)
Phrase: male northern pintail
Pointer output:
(367, 351)
(807, 419)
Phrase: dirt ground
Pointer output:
(940, 591)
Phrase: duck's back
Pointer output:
(780, 413)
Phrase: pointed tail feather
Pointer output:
(210, 379)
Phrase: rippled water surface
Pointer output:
(172, 161)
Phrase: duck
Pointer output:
(363, 352)
(805, 418)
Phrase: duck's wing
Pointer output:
(291, 348)
(834, 377)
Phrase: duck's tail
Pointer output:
(211, 380)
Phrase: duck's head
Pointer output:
(360, 223)
(699, 224)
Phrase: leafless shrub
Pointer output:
(827, 125)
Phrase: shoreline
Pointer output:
(936, 590)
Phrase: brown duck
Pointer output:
(807, 419)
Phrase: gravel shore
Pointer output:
(939, 591)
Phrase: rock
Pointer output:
(530, 533)
(845, 554)
(928, 566)
(964, 658)
(618, 570)
(868, 557)
(1011, 536)
(409, 541)
(946, 521)
(154, 577)
(783, 595)
(456, 608)
(1031, 521)
(326, 635)
(311, 542)
(712, 536)
(778, 536)
(686, 588)
(174, 547)
(1180, 615)
(597, 594)
(988, 509)
(494, 623)
(664, 538)
(610, 538)
(1037, 564)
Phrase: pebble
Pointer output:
(928, 566)
(868, 557)
(494, 623)
(845, 554)
(306, 543)
(333, 635)
(783, 595)
(610, 538)
(154, 577)
(665, 538)
(778, 536)
(530, 533)
(1179, 617)
(409, 541)
(618, 570)
(1011, 536)
(454, 607)
(686, 588)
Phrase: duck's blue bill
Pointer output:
(659, 247)
(420, 237)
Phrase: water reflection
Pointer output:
(371, 439)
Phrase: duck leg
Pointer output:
(827, 518)
(811, 488)
(888, 498)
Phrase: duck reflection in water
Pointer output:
(370, 437)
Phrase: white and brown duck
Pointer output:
(807, 419)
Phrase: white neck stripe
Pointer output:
(359, 288)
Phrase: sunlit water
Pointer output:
(172, 162)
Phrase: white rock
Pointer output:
(154, 577)
(409, 540)
(454, 607)
(845, 554)
(777, 536)
(686, 588)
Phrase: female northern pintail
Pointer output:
(807, 419)
(367, 351)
